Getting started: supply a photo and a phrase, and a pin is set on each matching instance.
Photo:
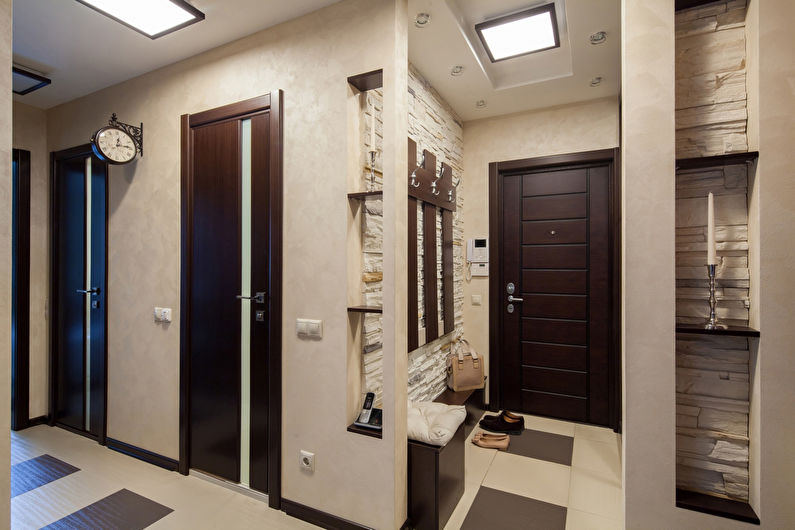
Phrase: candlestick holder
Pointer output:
(372, 166)
(712, 323)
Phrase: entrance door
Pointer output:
(79, 206)
(20, 289)
(555, 293)
(228, 291)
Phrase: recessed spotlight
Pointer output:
(422, 20)
(598, 38)
(153, 18)
(481, 104)
(456, 70)
(596, 81)
(530, 31)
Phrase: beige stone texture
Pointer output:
(30, 133)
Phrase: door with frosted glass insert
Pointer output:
(78, 297)
(228, 295)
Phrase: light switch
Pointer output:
(312, 329)
(476, 299)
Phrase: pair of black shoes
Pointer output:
(506, 422)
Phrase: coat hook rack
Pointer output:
(414, 183)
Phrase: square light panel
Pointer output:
(24, 82)
(529, 31)
(153, 18)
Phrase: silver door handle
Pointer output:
(95, 290)
(512, 299)
(258, 297)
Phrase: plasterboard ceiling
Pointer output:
(554, 77)
(83, 51)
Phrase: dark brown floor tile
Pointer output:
(497, 510)
(123, 510)
(543, 446)
(36, 472)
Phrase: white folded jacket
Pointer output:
(434, 423)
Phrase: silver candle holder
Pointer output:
(712, 323)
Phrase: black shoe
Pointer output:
(506, 422)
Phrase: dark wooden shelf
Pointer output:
(367, 81)
(699, 502)
(365, 309)
(365, 432)
(364, 195)
(732, 331)
(731, 159)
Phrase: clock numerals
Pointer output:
(115, 145)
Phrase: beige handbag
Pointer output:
(464, 367)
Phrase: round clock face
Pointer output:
(114, 145)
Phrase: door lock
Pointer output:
(510, 308)
(258, 298)
(512, 299)
(510, 288)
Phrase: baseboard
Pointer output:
(38, 420)
(316, 517)
(142, 454)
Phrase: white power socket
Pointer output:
(162, 314)
(307, 461)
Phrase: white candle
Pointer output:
(711, 254)
(372, 132)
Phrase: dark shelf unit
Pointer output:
(730, 331)
(365, 309)
(364, 195)
(365, 432)
(368, 80)
(731, 159)
(699, 502)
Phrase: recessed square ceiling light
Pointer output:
(25, 82)
(529, 31)
(153, 18)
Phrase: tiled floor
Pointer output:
(556, 475)
(108, 486)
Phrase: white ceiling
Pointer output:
(83, 51)
(544, 79)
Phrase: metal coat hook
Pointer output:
(414, 183)
(435, 191)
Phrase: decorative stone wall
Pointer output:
(711, 114)
(712, 373)
(435, 127)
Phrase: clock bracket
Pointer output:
(136, 133)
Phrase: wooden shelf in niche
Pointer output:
(731, 159)
(365, 309)
(368, 80)
(364, 195)
(364, 432)
(699, 502)
(730, 331)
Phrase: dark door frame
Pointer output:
(20, 304)
(496, 171)
(84, 150)
(272, 102)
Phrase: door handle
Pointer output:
(94, 290)
(512, 299)
(258, 297)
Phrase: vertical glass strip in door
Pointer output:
(245, 305)
(87, 301)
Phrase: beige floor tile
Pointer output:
(598, 434)
(477, 462)
(544, 481)
(594, 493)
(577, 520)
(600, 457)
(461, 510)
(538, 423)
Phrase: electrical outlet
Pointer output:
(162, 314)
(307, 461)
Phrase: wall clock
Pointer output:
(117, 142)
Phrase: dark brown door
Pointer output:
(554, 295)
(230, 265)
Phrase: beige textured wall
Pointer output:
(30, 133)
(777, 262)
(6, 21)
(559, 130)
(309, 58)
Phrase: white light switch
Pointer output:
(476, 299)
(309, 328)
(162, 314)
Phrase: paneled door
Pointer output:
(228, 264)
(79, 294)
(555, 291)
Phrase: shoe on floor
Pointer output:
(492, 441)
(506, 422)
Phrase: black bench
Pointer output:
(436, 474)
